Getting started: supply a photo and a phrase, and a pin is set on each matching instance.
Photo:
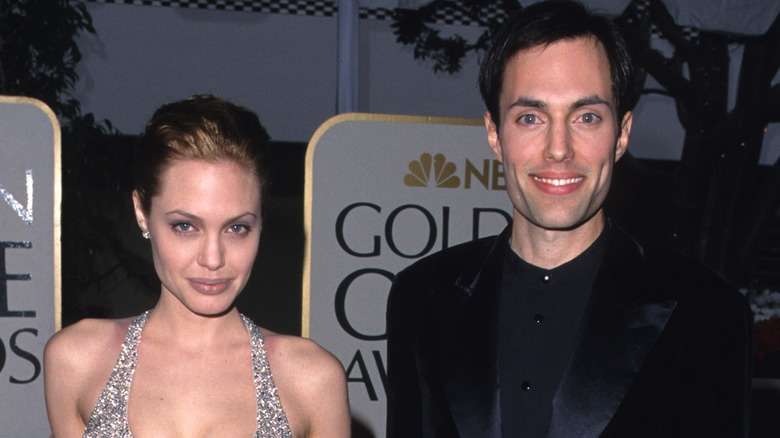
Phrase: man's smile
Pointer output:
(558, 181)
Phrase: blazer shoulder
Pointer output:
(449, 264)
(690, 280)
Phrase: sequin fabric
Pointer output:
(109, 417)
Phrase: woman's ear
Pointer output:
(140, 216)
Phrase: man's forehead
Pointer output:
(585, 41)
(556, 65)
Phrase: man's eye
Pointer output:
(589, 118)
(528, 119)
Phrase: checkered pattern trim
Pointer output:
(641, 7)
(317, 8)
(451, 14)
(455, 13)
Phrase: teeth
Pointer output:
(559, 182)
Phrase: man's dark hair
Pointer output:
(545, 23)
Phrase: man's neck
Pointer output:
(551, 248)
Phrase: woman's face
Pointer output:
(204, 228)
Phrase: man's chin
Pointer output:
(567, 222)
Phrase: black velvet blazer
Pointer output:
(664, 350)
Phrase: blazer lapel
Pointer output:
(467, 347)
(618, 331)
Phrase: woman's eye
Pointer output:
(182, 226)
(239, 229)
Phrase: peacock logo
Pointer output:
(437, 167)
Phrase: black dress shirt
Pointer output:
(539, 318)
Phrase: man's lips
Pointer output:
(558, 181)
(558, 185)
(210, 286)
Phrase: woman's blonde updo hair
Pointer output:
(201, 127)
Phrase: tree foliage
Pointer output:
(417, 27)
(38, 58)
(39, 51)
(718, 206)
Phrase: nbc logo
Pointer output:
(443, 172)
(437, 170)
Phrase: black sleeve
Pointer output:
(404, 405)
(720, 402)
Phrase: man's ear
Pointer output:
(140, 216)
(625, 134)
(492, 137)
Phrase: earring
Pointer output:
(145, 234)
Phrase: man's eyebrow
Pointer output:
(590, 100)
(528, 102)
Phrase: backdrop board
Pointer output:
(382, 191)
(29, 259)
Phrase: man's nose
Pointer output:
(559, 144)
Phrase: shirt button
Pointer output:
(538, 318)
(545, 278)
(525, 386)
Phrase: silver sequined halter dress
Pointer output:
(109, 417)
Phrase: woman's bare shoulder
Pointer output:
(311, 384)
(301, 355)
(77, 363)
(86, 345)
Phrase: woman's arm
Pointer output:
(312, 386)
(328, 405)
(62, 382)
(77, 363)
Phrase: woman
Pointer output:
(193, 366)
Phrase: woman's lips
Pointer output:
(209, 286)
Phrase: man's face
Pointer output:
(559, 136)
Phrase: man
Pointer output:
(563, 325)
